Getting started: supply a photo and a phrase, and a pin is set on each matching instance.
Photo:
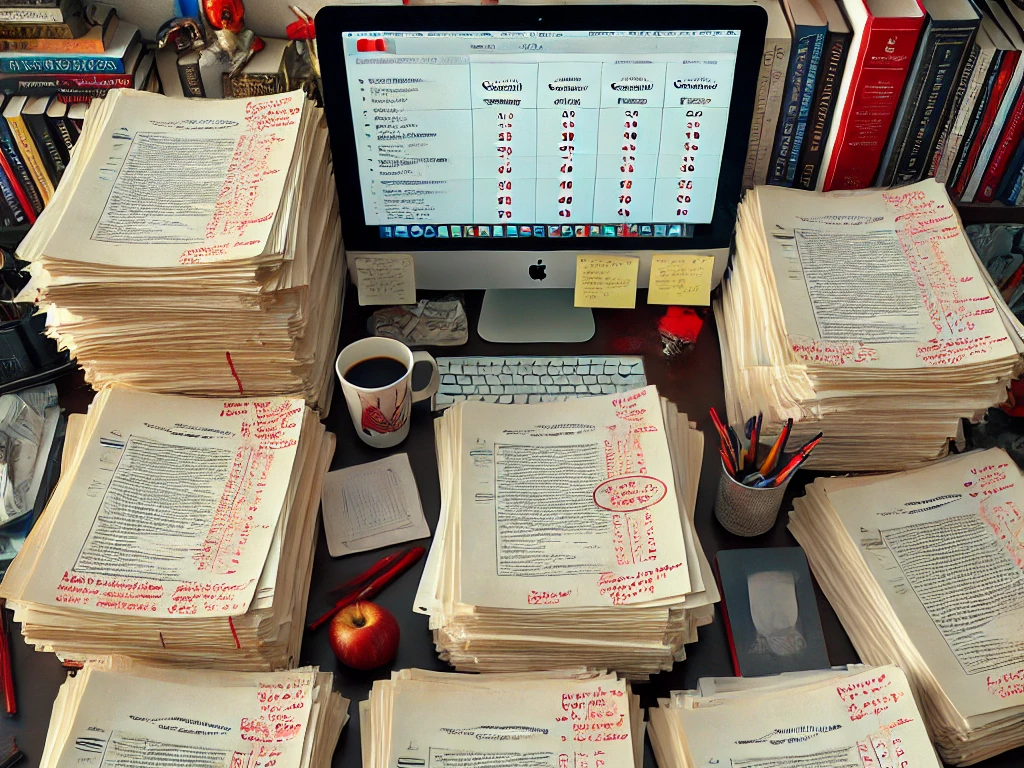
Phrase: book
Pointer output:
(808, 25)
(976, 140)
(268, 71)
(1013, 125)
(14, 213)
(1006, 103)
(109, 62)
(82, 87)
(96, 37)
(1013, 180)
(770, 612)
(833, 61)
(40, 12)
(770, 86)
(34, 113)
(962, 93)
(20, 174)
(923, 569)
(945, 42)
(885, 34)
(62, 128)
(26, 146)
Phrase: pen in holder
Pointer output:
(744, 509)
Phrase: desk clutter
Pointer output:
(865, 316)
(223, 580)
(137, 715)
(524, 720)
(567, 536)
(240, 255)
(924, 569)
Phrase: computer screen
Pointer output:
(539, 133)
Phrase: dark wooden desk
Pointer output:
(693, 382)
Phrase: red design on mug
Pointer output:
(375, 420)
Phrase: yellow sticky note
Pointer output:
(606, 281)
(386, 279)
(677, 278)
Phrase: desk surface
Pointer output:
(693, 381)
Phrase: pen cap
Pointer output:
(745, 510)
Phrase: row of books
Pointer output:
(860, 93)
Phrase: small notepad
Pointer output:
(606, 281)
(680, 279)
(372, 505)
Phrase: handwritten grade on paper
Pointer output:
(386, 279)
(372, 505)
(606, 281)
(680, 279)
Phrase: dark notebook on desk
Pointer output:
(770, 611)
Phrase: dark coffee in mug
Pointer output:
(375, 372)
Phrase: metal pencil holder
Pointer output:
(744, 510)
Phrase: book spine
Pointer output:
(65, 134)
(1008, 189)
(1017, 192)
(49, 45)
(987, 118)
(20, 172)
(30, 15)
(882, 67)
(13, 32)
(57, 65)
(953, 112)
(10, 197)
(27, 149)
(1004, 151)
(191, 79)
(951, 45)
(757, 123)
(825, 93)
(46, 145)
(776, 93)
(995, 130)
(957, 156)
(806, 96)
(799, 64)
(48, 85)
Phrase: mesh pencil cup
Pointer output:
(744, 510)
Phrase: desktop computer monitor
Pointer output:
(496, 143)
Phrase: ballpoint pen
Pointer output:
(777, 450)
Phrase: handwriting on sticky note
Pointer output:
(386, 279)
(606, 281)
(680, 279)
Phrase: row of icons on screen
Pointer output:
(533, 230)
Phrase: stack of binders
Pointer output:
(924, 569)
(420, 718)
(860, 716)
(566, 536)
(181, 533)
(194, 247)
(863, 315)
(128, 714)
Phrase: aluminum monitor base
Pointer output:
(525, 316)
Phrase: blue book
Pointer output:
(110, 62)
(1013, 180)
(809, 28)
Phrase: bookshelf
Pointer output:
(990, 213)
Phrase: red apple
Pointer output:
(364, 635)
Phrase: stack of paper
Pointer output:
(926, 570)
(181, 532)
(194, 247)
(135, 715)
(571, 718)
(861, 716)
(566, 536)
(865, 315)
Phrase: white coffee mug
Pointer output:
(381, 414)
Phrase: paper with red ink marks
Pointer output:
(570, 504)
(511, 723)
(879, 280)
(172, 506)
(248, 720)
(946, 547)
(864, 717)
(173, 184)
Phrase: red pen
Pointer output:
(794, 463)
(369, 574)
(6, 672)
(726, 439)
(375, 586)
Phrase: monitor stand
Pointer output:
(524, 316)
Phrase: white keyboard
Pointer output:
(534, 379)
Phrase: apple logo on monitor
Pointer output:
(537, 270)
